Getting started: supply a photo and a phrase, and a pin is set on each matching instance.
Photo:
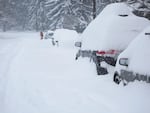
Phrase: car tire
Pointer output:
(117, 78)
(101, 70)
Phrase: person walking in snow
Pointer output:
(41, 34)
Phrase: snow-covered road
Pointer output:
(36, 77)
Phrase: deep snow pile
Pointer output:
(42, 78)
(65, 37)
(114, 28)
(138, 54)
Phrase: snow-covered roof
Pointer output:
(138, 53)
(114, 28)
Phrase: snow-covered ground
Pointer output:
(36, 77)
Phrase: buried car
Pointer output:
(66, 37)
(109, 34)
(49, 34)
(134, 63)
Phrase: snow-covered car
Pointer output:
(49, 34)
(134, 62)
(66, 37)
(109, 34)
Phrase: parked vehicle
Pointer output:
(109, 34)
(134, 63)
(69, 37)
(49, 34)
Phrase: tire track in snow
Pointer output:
(8, 52)
(38, 87)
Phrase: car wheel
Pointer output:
(117, 78)
(101, 70)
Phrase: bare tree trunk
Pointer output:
(3, 15)
(37, 19)
(94, 9)
(36, 24)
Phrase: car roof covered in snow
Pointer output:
(114, 28)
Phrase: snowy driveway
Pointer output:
(39, 78)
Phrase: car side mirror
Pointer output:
(78, 44)
(124, 61)
(147, 33)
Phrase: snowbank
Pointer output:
(138, 54)
(114, 28)
(39, 81)
(65, 37)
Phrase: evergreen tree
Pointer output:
(7, 19)
(42, 15)
(140, 7)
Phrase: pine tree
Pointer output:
(140, 7)
(42, 15)
(7, 15)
